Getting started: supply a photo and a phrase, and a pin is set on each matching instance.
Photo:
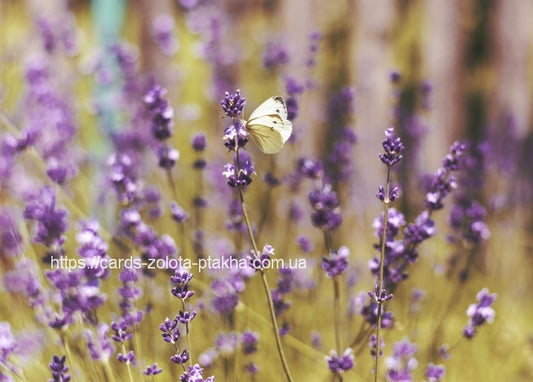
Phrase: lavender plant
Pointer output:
(239, 176)
(77, 232)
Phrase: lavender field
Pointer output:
(266, 190)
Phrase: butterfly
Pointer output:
(268, 125)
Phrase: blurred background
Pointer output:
(438, 71)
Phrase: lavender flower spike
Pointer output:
(339, 364)
(233, 104)
(480, 313)
(59, 369)
(393, 147)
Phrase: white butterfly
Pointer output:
(268, 125)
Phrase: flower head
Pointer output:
(480, 313)
(233, 104)
(59, 369)
(340, 363)
(393, 147)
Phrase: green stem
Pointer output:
(381, 267)
(336, 313)
(187, 333)
(127, 364)
(265, 284)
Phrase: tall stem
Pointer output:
(127, 364)
(380, 301)
(187, 334)
(265, 284)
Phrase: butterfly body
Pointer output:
(268, 125)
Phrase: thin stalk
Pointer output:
(187, 333)
(336, 296)
(127, 364)
(110, 376)
(381, 267)
(265, 284)
(336, 313)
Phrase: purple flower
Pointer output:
(451, 161)
(336, 263)
(226, 296)
(340, 363)
(393, 147)
(161, 113)
(56, 172)
(167, 156)
(199, 142)
(194, 374)
(24, 278)
(162, 32)
(180, 358)
(325, 203)
(59, 369)
(7, 341)
(262, 260)
(373, 345)
(170, 332)
(152, 370)
(437, 187)
(93, 249)
(434, 373)
(235, 136)
(185, 316)
(274, 56)
(423, 229)
(227, 343)
(122, 177)
(126, 358)
(178, 214)
(305, 244)
(51, 221)
(121, 335)
(10, 239)
(251, 368)
(379, 297)
(402, 362)
(100, 348)
(233, 104)
(249, 342)
(293, 87)
(480, 313)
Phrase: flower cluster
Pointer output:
(467, 219)
(233, 104)
(100, 348)
(441, 184)
(163, 34)
(393, 147)
(59, 369)
(275, 56)
(235, 136)
(260, 261)
(480, 313)
(402, 363)
(195, 374)
(434, 373)
(340, 363)
(161, 115)
(337, 262)
(326, 214)
(281, 304)
(51, 221)
(152, 370)
(239, 176)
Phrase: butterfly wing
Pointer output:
(266, 139)
(268, 125)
